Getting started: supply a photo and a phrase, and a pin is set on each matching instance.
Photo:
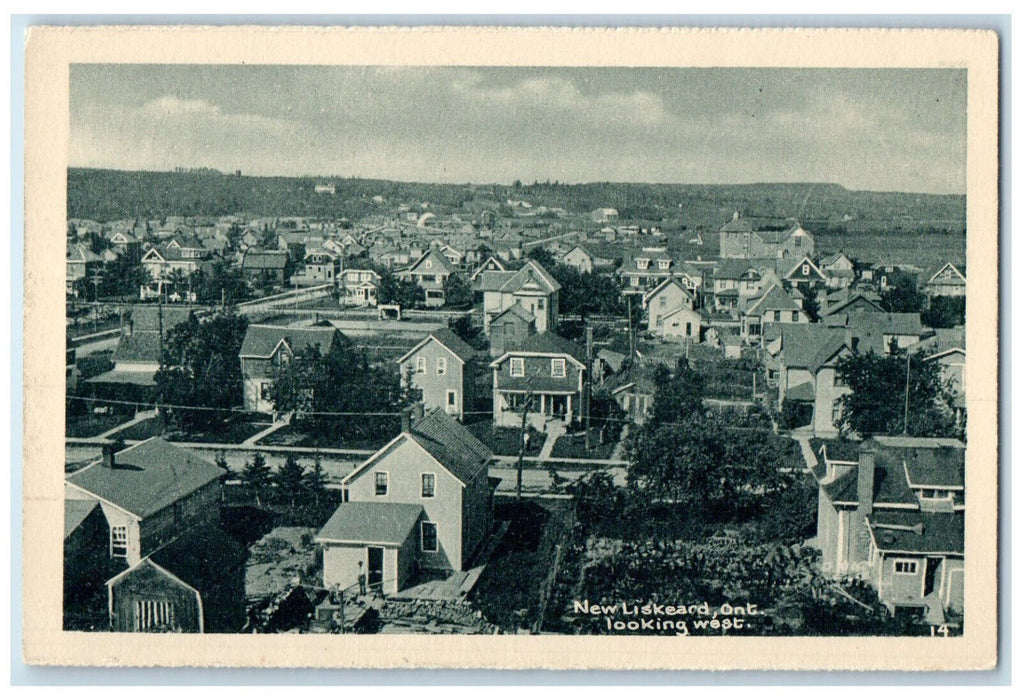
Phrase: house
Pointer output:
(849, 303)
(733, 283)
(644, 270)
(633, 390)
(424, 501)
(894, 330)
(774, 305)
(263, 267)
(149, 494)
(82, 265)
(946, 281)
(947, 346)
(763, 237)
(139, 349)
(162, 262)
(127, 245)
(196, 584)
(806, 272)
(682, 324)
(807, 374)
(542, 376)
(892, 511)
(668, 296)
(443, 367)
(430, 272)
(578, 258)
(320, 266)
(493, 263)
(267, 348)
(359, 287)
(604, 214)
(839, 270)
(510, 328)
(531, 287)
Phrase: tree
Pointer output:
(902, 295)
(200, 372)
(315, 479)
(810, 301)
(290, 479)
(876, 404)
(393, 290)
(707, 465)
(457, 292)
(544, 257)
(469, 332)
(257, 476)
(679, 394)
(221, 283)
(944, 312)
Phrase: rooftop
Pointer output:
(370, 522)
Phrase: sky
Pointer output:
(885, 130)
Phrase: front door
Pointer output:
(932, 564)
(375, 557)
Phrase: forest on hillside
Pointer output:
(106, 195)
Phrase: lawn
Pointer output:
(574, 447)
(143, 430)
(508, 592)
(507, 441)
(359, 434)
(228, 433)
(91, 425)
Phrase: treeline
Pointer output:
(113, 194)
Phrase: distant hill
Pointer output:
(106, 195)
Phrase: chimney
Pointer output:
(867, 473)
(110, 451)
(406, 420)
(417, 411)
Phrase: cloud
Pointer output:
(202, 115)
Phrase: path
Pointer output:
(802, 436)
(554, 431)
(139, 417)
(277, 425)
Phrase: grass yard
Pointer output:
(150, 427)
(229, 433)
(506, 441)
(369, 433)
(91, 425)
(574, 447)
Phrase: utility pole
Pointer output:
(588, 386)
(631, 332)
(908, 365)
(521, 444)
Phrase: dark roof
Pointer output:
(802, 392)
(493, 280)
(889, 486)
(518, 310)
(877, 322)
(809, 345)
(773, 299)
(148, 477)
(138, 347)
(759, 224)
(918, 531)
(124, 377)
(264, 260)
(261, 341)
(641, 378)
(147, 317)
(371, 522)
(929, 462)
(75, 513)
(840, 450)
(451, 444)
(855, 299)
(453, 342)
(203, 557)
(533, 275)
(548, 343)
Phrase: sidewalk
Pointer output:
(139, 417)
(251, 441)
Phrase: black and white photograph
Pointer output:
(587, 350)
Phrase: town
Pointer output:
(380, 407)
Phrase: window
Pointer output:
(429, 543)
(557, 367)
(541, 304)
(441, 365)
(439, 279)
(420, 365)
(452, 399)
(428, 485)
(264, 391)
(381, 483)
(155, 615)
(839, 379)
(794, 316)
(688, 328)
(642, 263)
(777, 317)
(119, 541)
(805, 270)
(835, 414)
(663, 302)
(517, 367)
(429, 263)
(906, 566)
(663, 264)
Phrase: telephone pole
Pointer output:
(588, 386)
(908, 365)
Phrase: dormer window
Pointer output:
(517, 366)
(663, 264)
(642, 263)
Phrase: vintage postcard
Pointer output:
(511, 348)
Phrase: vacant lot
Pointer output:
(91, 425)
(507, 441)
(574, 447)
(369, 433)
